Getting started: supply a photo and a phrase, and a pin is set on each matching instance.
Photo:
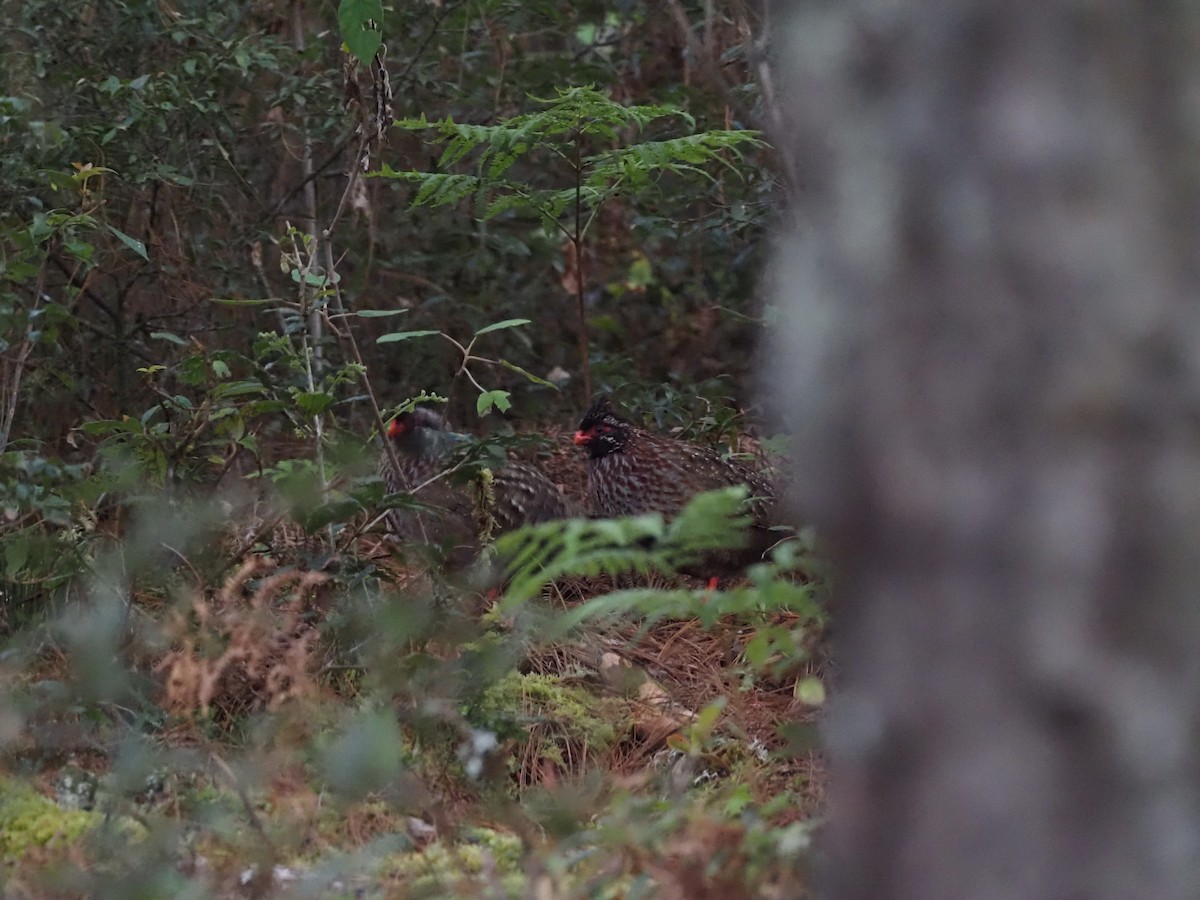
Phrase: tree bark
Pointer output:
(989, 349)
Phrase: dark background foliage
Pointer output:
(203, 115)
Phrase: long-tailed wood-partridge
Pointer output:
(632, 471)
(458, 518)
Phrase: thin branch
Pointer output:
(247, 805)
(577, 243)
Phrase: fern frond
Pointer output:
(436, 188)
(682, 154)
(639, 544)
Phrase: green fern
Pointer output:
(557, 131)
(637, 544)
(715, 520)
(560, 136)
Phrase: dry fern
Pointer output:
(244, 647)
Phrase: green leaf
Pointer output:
(513, 367)
(16, 553)
(169, 337)
(79, 249)
(810, 692)
(739, 800)
(438, 189)
(313, 403)
(132, 243)
(237, 389)
(340, 509)
(488, 399)
(379, 313)
(366, 756)
(359, 22)
(393, 336)
(707, 719)
(497, 326)
(315, 278)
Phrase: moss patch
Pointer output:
(486, 859)
(517, 701)
(28, 820)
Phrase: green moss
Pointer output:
(505, 848)
(574, 713)
(486, 859)
(29, 820)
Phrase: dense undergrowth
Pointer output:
(315, 713)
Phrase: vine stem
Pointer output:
(346, 335)
(311, 339)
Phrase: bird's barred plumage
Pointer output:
(632, 471)
(512, 495)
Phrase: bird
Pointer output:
(459, 519)
(633, 471)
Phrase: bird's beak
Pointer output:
(580, 439)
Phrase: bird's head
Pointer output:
(409, 422)
(601, 430)
(422, 432)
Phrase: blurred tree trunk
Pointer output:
(990, 349)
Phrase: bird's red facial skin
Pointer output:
(581, 438)
(395, 429)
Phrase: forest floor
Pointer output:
(638, 756)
